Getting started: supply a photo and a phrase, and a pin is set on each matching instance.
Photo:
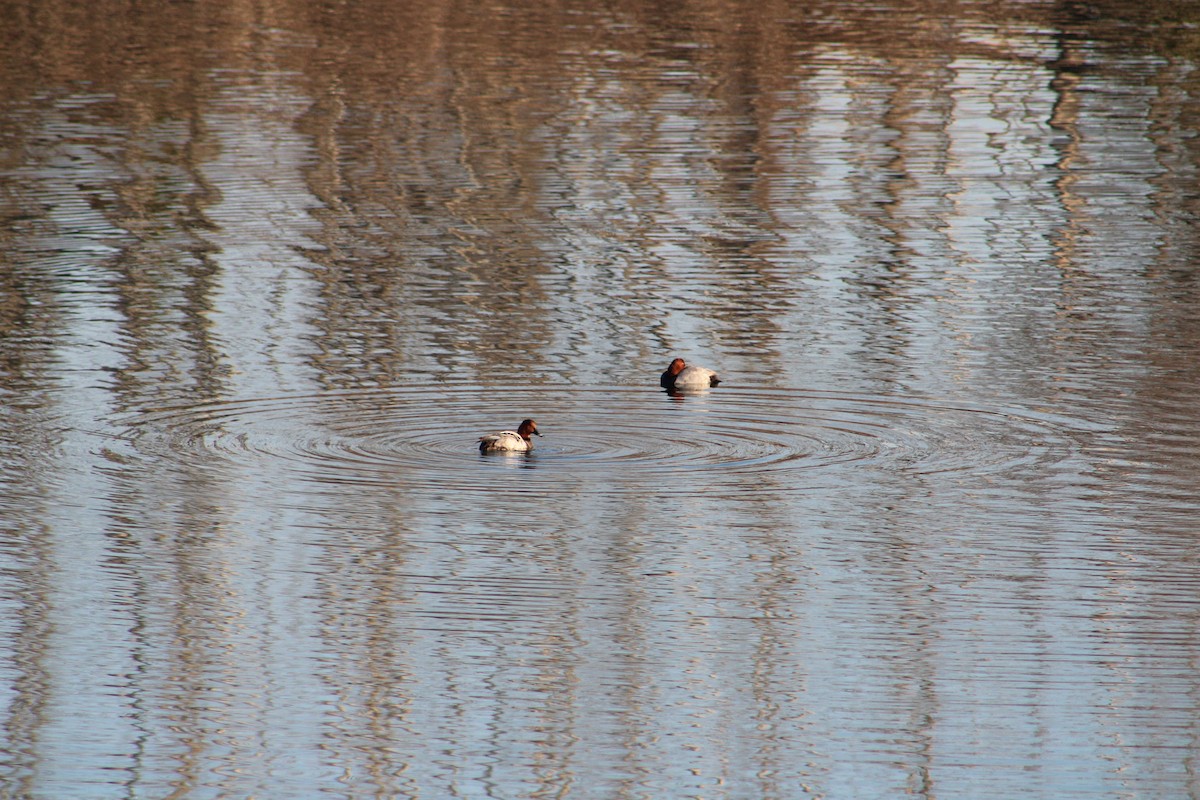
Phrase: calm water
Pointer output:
(268, 270)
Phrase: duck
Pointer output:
(680, 376)
(510, 441)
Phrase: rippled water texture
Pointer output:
(267, 272)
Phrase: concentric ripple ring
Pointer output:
(603, 438)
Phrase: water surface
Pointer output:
(267, 272)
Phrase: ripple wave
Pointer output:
(608, 438)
